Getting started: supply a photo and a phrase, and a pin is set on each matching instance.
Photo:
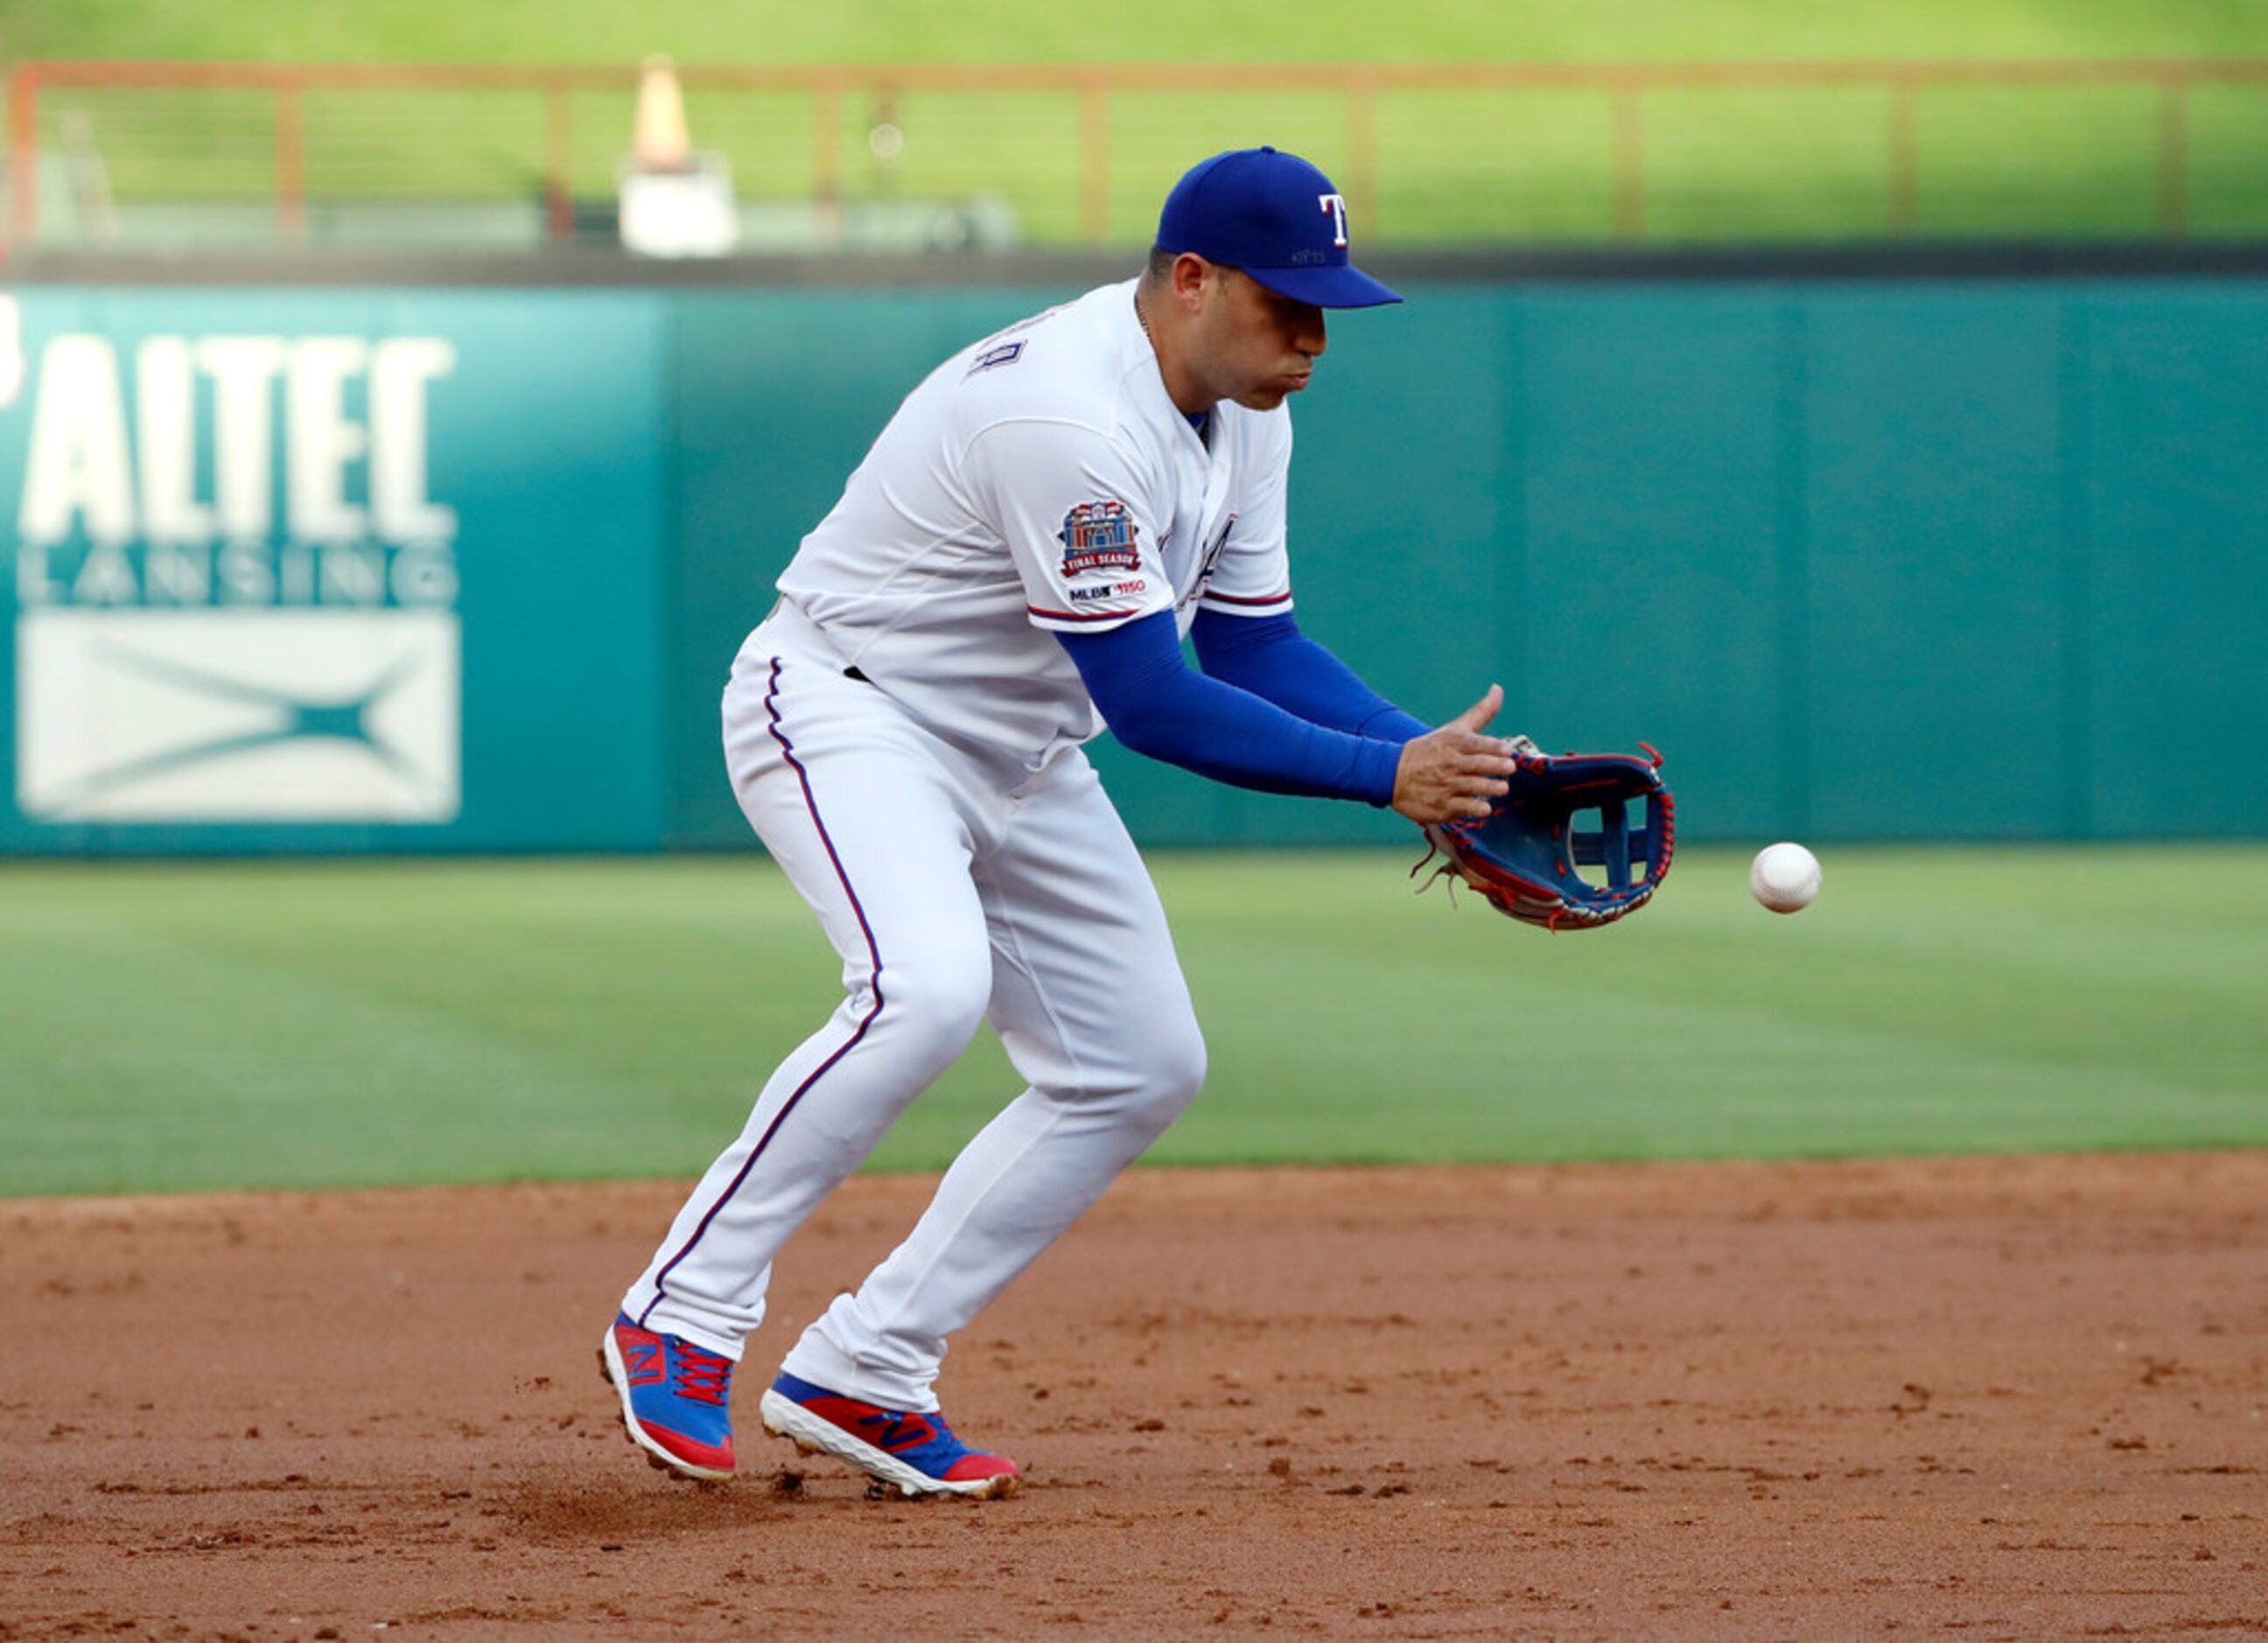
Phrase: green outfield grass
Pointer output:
(288, 1024)
(1452, 167)
(1162, 31)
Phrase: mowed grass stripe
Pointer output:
(281, 1024)
(182, 1026)
(1935, 1000)
(1047, 30)
(172, 1063)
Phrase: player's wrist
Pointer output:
(1378, 772)
(1390, 723)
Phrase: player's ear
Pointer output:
(1190, 271)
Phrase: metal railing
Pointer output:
(1628, 90)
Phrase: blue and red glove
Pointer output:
(1525, 856)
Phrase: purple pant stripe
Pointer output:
(811, 804)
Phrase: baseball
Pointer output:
(1783, 877)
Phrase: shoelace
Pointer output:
(702, 1374)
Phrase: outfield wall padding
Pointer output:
(433, 568)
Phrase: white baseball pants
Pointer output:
(954, 898)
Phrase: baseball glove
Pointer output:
(1524, 856)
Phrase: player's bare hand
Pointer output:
(1456, 771)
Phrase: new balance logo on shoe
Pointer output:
(911, 1451)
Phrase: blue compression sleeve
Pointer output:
(1157, 706)
(1270, 657)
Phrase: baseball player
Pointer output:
(1013, 568)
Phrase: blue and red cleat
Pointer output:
(677, 1399)
(906, 1450)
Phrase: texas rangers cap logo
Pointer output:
(1275, 217)
(1099, 536)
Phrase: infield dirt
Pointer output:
(2016, 1397)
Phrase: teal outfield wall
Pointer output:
(463, 570)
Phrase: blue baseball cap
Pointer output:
(1276, 218)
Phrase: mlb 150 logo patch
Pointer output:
(1099, 536)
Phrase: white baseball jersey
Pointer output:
(1041, 481)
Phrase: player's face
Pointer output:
(1258, 347)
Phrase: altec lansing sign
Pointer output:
(235, 599)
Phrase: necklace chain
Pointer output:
(1143, 320)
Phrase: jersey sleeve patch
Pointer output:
(1101, 601)
(1099, 536)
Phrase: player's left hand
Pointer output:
(1526, 859)
(1457, 770)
